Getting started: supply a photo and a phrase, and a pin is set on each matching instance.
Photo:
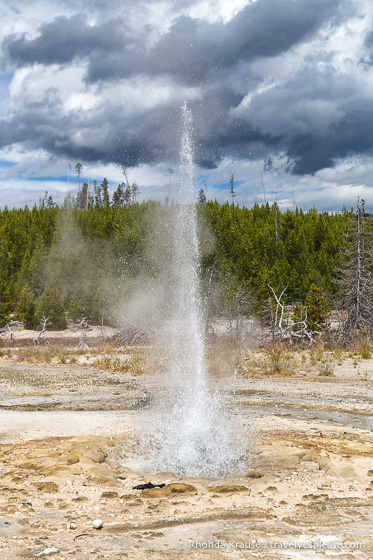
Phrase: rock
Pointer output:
(73, 526)
(97, 456)
(48, 551)
(324, 464)
(289, 462)
(169, 490)
(80, 499)
(102, 475)
(50, 487)
(227, 488)
(40, 453)
(254, 474)
(370, 473)
(271, 489)
(122, 475)
(179, 488)
(109, 495)
(98, 524)
(89, 452)
(312, 457)
(342, 471)
(72, 459)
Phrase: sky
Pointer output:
(281, 93)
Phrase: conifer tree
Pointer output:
(135, 191)
(78, 169)
(317, 308)
(26, 308)
(5, 301)
(119, 196)
(232, 191)
(202, 197)
(97, 191)
(105, 192)
(51, 305)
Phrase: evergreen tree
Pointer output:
(232, 191)
(78, 169)
(26, 308)
(105, 192)
(82, 197)
(51, 305)
(317, 309)
(202, 197)
(47, 201)
(5, 301)
(97, 191)
(135, 191)
(127, 196)
(119, 196)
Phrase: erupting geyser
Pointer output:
(193, 433)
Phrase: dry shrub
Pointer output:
(316, 355)
(44, 354)
(363, 375)
(326, 367)
(364, 347)
(121, 363)
(281, 360)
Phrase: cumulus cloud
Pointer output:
(104, 84)
(62, 40)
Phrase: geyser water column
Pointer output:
(194, 434)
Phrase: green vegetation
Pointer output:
(76, 260)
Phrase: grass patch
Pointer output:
(281, 360)
(326, 367)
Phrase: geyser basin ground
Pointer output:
(315, 484)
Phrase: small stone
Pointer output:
(109, 495)
(370, 473)
(80, 499)
(272, 489)
(169, 490)
(48, 551)
(73, 526)
(72, 459)
(228, 488)
(324, 464)
(254, 474)
(97, 456)
(98, 524)
(50, 487)
(311, 457)
(179, 488)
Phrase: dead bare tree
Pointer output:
(37, 340)
(83, 326)
(7, 329)
(297, 330)
(355, 279)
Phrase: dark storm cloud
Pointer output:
(63, 40)
(191, 51)
(295, 117)
(112, 134)
(351, 135)
(194, 49)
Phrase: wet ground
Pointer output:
(66, 491)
